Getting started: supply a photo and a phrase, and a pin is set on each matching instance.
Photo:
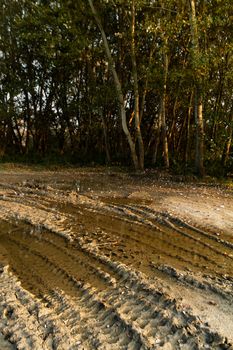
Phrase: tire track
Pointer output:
(168, 227)
(91, 297)
(164, 242)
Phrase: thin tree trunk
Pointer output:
(27, 121)
(199, 161)
(146, 84)
(136, 92)
(176, 104)
(180, 135)
(119, 92)
(13, 125)
(199, 157)
(173, 120)
(227, 148)
(18, 136)
(106, 143)
(163, 108)
(188, 130)
(157, 139)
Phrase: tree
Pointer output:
(198, 104)
(138, 161)
(63, 82)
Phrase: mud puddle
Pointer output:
(44, 261)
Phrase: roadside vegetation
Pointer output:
(134, 83)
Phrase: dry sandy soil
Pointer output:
(97, 259)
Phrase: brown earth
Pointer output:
(98, 259)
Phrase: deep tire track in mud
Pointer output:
(102, 273)
(161, 237)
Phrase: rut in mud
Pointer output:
(98, 272)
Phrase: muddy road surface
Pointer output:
(97, 259)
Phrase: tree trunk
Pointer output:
(199, 157)
(27, 119)
(190, 108)
(119, 93)
(106, 143)
(136, 92)
(157, 140)
(163, 107)
(227, 147)
(199, 161)
(227, 150)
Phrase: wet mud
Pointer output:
(82, 269)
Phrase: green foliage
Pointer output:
(57, 96)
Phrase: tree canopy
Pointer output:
(135, 82)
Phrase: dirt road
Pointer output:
(94, 259)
